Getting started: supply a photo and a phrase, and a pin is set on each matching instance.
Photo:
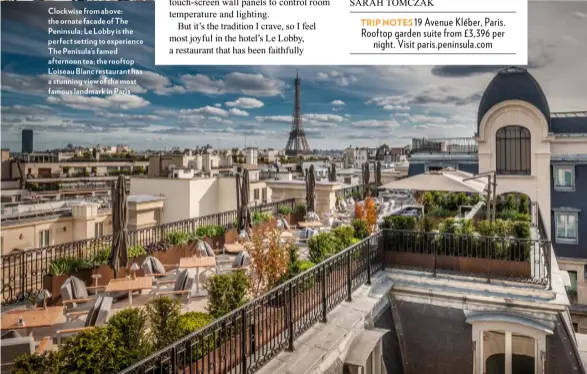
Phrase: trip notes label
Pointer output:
(341, 32)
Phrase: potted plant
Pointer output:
(100, 261)
(60, 269)
(285, 211)
(262, 220)
(231, 235)
(298, 214)
(212, 234)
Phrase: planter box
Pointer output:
(173, 254)
(230, 237)
(296, 217)
(53, 284)
(465, 265)
(216, 242)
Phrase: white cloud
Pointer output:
(238, 112)
(337, 77)
(313, 118)
(248, 84)
(338, 103)
(93, 102)
(376, 124)
(245, 103)
(205, 111)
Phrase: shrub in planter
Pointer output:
(212, 234)
(193, 321)
(131, 324)
(136, 251)
(323, 245)
(360, 228)
(60, 269)
(345, 234)
(226, 292)
(98, 350)
(261, 218)
(299, 212)
(524, 205)
(179, 238)
(400, 223)
(161, 246)
(284, 211)
(164, 321)
(520, 230)
(426, 224)
(45, 363)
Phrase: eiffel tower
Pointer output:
(297, 144)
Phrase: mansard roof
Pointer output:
(513, 83)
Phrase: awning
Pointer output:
(363, 345)
(447, 181)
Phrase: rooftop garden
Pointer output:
(466, 244)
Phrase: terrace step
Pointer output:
(465, 284)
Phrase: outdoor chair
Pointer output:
(241, 262)
(12, 346)
(182, 288)
(75, 296)
(283, 225)
(204, 250)
(307, 233)
(95, 316)
(160, 273)
(312, 217)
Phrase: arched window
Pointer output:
(512, 151)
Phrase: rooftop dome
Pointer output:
(513, 83)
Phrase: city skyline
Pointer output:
(341, 106)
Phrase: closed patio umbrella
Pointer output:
(378, 174)
(244, 214)
(366, 179)
(119, 254)
(310, 190)
(333, 173)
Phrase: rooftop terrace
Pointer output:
(502, 264)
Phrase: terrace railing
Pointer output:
(525, 260)
(444, 145)
(23, 271)
(250, 336)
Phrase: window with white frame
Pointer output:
(566, 227)
(507, 347)
(99, 229)
(44, 238)
(564, 178)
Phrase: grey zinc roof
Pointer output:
(569, 123)
(513, 83)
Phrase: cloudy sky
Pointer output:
(189, 106)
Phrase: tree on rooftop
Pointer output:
(370, 214)
(270, 256)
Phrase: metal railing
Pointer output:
(23, 271)
(247, 338)
(444, 145)
(347, 192)
(524, 260)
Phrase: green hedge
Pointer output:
(501, 239)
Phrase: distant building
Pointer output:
(27, 141)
